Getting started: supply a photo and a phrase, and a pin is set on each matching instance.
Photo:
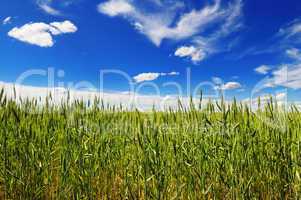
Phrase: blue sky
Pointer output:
(233, 44)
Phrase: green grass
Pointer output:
(218, 152)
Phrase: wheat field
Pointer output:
(216, 151)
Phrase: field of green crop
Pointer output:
(81, 151)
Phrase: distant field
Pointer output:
(89, 152)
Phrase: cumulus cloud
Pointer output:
(63, 27)
(150, 76)
(146, 77)
(7, 20)
(230, 86)
(263, 69)
(115, 7)
(195, 54)
(220, 85)
(41, 34)
(36, 33)
(171, 22)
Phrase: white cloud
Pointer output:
(291, 30)
(185, 51)
(115, 7)
(158, 26)
(146, 77)
(41, 34)
(293, 53)
(192, 52)
(190, 23)
(63, 27)
(48, 6)
(282, 96)
(229, 86)
(7, 20)
(169, 22)
(150, 76)
(48, 9)
(36, 33)
(217, 80)
(286, 76)
(287, 37)
(202, 47)
(129, 100)
(173, 73)
(233, 20)
(220, 85)
(263, 69)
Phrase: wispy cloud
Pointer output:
(283, 40)
(150, 76)
(157, 26)
(263, 69)
(285, 75)
(217, 40)
(45, 5)
(294, 53)
(169, 22)
(41, 34)
(50, 10)
(54, 7)
(7, 20)
(291, 30)
(288, 76)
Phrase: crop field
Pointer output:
(216, 151)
